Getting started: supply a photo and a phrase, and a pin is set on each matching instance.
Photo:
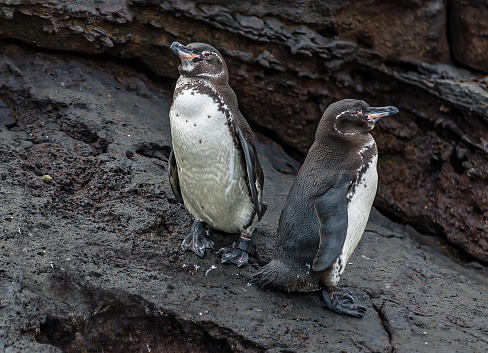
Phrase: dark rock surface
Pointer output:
(90, 261)
(469, 32)
(289, 60)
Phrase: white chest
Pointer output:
(198, 125)
(210, 171)
(359, 207)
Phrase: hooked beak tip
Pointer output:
(183, 52)
(375, 113)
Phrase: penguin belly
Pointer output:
(361, 200)
(212, 178)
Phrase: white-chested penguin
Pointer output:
(328, 206)
(214, 168)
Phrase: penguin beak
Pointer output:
(375, 113)
(183, 52)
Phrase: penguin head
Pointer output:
(200, 60)
(351, 117)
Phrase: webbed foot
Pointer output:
(344, 295)
(341, 301)
(236, 254)
(197, 241)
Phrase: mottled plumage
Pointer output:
(214, 169)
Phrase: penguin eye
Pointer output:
(356, 113)
(206, 54)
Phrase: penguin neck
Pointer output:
(202, 80)
(343, 143)
(220, 78)
(338, 152)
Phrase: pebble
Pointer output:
(26, 144)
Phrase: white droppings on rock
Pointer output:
(213, 267)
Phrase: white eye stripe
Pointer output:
(205, 74)
(338, 130)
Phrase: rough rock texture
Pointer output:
(90, 260)
(283, 55)
(433, 163)
(469, 32)
(289, 60)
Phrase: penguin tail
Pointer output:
(273, 275)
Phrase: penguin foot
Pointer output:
(344, 295)
(236, 254)
(341, 301)
(197, 241)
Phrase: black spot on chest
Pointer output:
(366, 156)
(205, 89)
(222, 97)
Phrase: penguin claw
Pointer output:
(344, 295)
(342, 303)
(197, 240)
(197, 245)
(235, 254)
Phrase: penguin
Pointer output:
(327, 208)
(214, 169)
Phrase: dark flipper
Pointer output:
(250, 156)
(341, 302)
(331, 209)
(236, 254)
(197, 240)
(173, 178)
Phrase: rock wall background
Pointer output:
(290, 59)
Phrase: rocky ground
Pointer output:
(90, 260)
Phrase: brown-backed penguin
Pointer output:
(214, 168)
(328, 206)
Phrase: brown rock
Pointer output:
(399, 31)
(436, 181)
(469, 32)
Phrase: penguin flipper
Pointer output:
(173, 177)
(331, 209)
(250, 157)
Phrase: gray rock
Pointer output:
(92, 260)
